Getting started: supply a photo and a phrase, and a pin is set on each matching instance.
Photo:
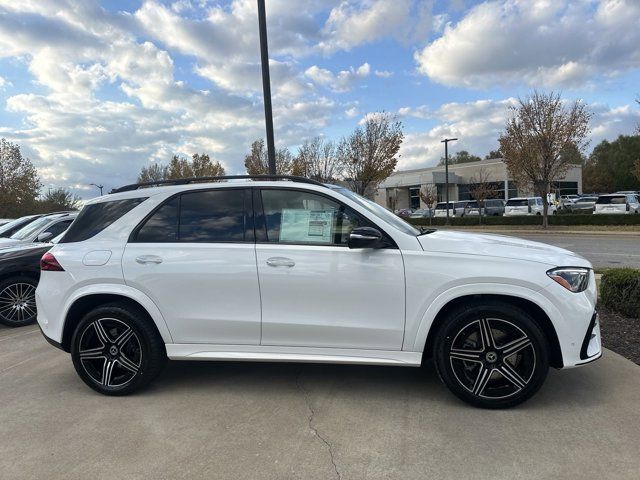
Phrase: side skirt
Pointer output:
(262, 353)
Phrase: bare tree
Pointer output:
(370, 153)
(317, 159)
(59, 199)
(481, 189)
(539, 128)
(153, 173)
(257, 162)
(429, 196)
(200, 165)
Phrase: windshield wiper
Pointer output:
(426, 231)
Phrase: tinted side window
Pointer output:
(95, 218)
(306, 218)
(213, 216)
(162, 226)
(57, 228)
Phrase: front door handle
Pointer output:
(143, 259)
(280, 262)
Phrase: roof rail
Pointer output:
(184, 181)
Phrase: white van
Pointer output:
(526, 206)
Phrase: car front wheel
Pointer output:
(491, 355)
(18, 301)
(116, 351)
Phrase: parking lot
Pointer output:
(268, 421)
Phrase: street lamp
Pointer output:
(266, 86)
(98, 186)
(446, 173)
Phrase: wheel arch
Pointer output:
(537, 313)
(85, 303)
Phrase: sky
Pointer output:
(94, 90)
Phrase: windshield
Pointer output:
(30, 229)
(378, 211)
(443, 206)
(612, 200)
(523, 202)
(12, 224)
(473, 204)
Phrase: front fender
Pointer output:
(418, 341)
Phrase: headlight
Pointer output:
(572, 278)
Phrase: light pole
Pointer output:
(98, 186)
(446, 173)
(266, 86)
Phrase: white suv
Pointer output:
(298, 271)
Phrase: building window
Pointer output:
(414, 197)
(565, 188)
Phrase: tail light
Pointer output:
(49, 263)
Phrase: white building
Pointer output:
(402, 189)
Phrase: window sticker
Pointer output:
(306, 226)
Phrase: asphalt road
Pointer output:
(268, 421)
(602, 250)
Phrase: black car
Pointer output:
(19, 276)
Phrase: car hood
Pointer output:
(500, 246)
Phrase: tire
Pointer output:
(18, 301)
(473, 371)
(116, 350)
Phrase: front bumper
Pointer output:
(592, 344)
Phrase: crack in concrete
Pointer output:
(310, 421)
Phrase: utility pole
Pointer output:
(98, 186)
(266, 86)
(446, 174)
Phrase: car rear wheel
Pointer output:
(491, 355)
(18, 301)
(116, 351)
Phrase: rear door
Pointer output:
(194, 256)
(317, 292)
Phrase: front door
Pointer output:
(195, 258)
(315, 291)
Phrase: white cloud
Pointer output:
(383, 73)
(343, 81)
(538, 42)
(351, 112)
(421, 111)
(351, 23)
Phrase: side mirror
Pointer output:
(364, 237)
(44, 237)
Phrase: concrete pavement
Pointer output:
(269, 421)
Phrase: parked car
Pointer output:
(631, 192)
(617, 203)
(170, 271)
(526, 206)
(19, 275)
(456, 209)
(422, 213)
(404, 212)
(584, 205)
(4, 221)
(492, 207)
(13, 226)
(567, 201)
(42, 229)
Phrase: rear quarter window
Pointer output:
(96, 217)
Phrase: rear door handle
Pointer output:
(143, 259)
(280, 262)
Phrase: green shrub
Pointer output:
(620, 291)
(558, 220)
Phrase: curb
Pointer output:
(546, 232)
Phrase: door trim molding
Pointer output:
(260, 353)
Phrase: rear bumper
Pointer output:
(52, 342)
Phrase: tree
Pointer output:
(636, 169)
(59, 199)
(429, 196)
(153, 173)
(538, 130)
(257, 163)
(19, 182)
(572, 154)
(460, 157)
(493, 154)
(610, 164)
(200, 165)
(317, 159)
(481, 189)
(370, 153)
